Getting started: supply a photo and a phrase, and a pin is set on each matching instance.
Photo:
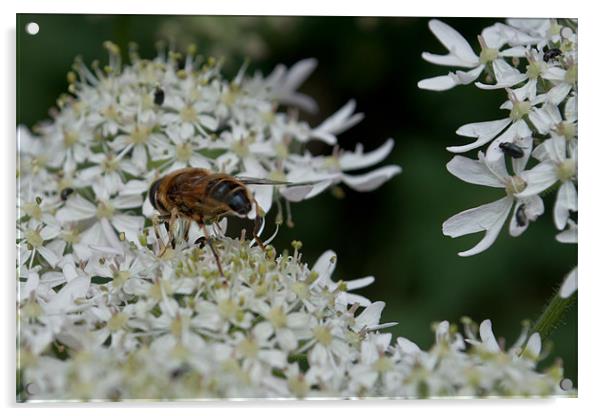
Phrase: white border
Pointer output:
(590, 50)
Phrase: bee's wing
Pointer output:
(259, 181)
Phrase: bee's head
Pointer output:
(152, 194)
(239, 203)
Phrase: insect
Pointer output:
(521, 215)
(551, 54)
(159, 96)
(65, 193)
(512, 149)
(202, 196)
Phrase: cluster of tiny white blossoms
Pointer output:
(535, 62)
(130, 325)
(109, 309)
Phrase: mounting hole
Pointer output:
(32, 28)
(566, 384)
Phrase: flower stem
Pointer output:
(552, 315)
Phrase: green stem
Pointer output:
(552, 315)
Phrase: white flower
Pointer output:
(558, 163)
(106, 218)
(461, 55)
(491, 217)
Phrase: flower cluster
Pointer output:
(110, 308)
(83, 179)
(535, 62)
(129, 325)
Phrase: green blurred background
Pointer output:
(393, 233)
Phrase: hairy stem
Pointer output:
(552, 315)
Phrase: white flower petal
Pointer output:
(538, 179)
(569, 235)
(455, 43)
(76, 209)
(63, 301)
(569, 286)
(439, 83)
(483, 131)
(489, 218)
(486, 333)
(533, 347)
(473, 171)
(325, 266)
(369, 316)
(358, 159)
(371, 180)
(566, 200)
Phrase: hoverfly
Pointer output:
(199, 195)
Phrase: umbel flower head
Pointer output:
(535, 62)
(271, 327)
(110, 309)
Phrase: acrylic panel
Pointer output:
(226, 207)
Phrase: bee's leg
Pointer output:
(210, 243)
(258, 220)
(187, 224)
(171, 225)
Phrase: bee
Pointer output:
(512, 149)
(202, 196)
(551, 54)
(158, 96)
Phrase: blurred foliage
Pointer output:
(393, 233)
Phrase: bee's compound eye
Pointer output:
(240, 203)
(152, 193)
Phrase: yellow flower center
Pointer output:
(70, 138)
(104, 210)
(520, 109)
(188, 114)
(184, 152)
(488, 55)
(566, 170)
(34, 238)
(323, 335)
(121, 277)
(277, 317)
(117, 322)
(515, 185)
(227, 308)
(140, 135)
(33, 210)
(248, 348)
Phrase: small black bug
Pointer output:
(65, 193)
(200, 242)
(521, 215)
(551, 54)
(159, 96)
(512, 150)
